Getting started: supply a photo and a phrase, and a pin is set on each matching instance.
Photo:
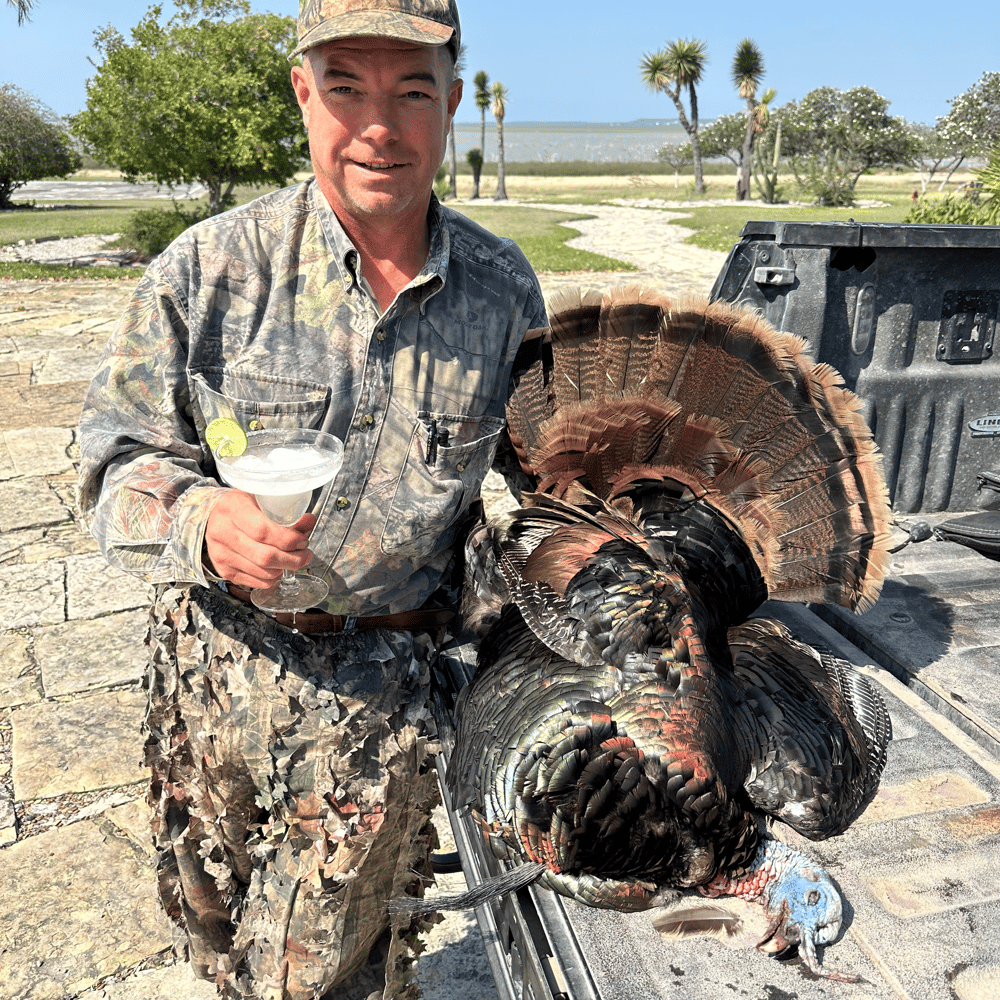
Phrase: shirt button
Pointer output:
(367, 420)
(380, 335)
(460, 466)
(343, 503)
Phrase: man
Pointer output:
(291, 757)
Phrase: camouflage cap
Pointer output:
(426, 22)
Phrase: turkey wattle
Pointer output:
(630, 728)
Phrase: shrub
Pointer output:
(953, 210)
(441, 182)
(978, 206)
(152, 230)
(832, 192)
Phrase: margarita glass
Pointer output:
(282, 468)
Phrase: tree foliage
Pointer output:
(973, 123)
(833, 136)
(23, 6)
(33, 142)
(677, 155)
(724, 137)
(936, 151)
(673, 69)
(204, 97)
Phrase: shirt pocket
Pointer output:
(447, 459)
(255, 401)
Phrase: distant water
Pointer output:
(551, 142)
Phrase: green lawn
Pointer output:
(542, 240)
(85, 218)
(718, 228)
(57, 272)
(82, 218)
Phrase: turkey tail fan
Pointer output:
(846, 514)
(577, 370)
(630, 321)
(594, 443)
(574, 313)
(824, 470)
(640, 388)
(537, 391)
(530, 405)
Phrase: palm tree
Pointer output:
(453, 155)
(482, 82)
(499, 110)
(676, 67)
(747, 73)
(23, 6)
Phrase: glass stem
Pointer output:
(287, 579)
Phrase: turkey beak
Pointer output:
(777, 938)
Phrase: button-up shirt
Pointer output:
(262, 315)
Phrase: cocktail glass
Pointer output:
(282, 468)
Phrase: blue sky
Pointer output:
(571, 61)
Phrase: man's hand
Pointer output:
(249, 550)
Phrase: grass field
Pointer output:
(882, 197)
(716, 228)
(538, 233)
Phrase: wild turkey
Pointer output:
(628, 728)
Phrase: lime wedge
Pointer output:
(226, 438)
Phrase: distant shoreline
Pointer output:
(636, 123)
(539, 142)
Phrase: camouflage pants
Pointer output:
(292, 785)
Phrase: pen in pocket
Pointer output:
(435, 437)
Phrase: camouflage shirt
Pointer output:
(262, 314)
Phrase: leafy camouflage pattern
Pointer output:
(261, 314)
(426, 22)
(292, 788)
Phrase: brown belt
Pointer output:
(311, 622)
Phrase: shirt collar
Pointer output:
(432, 275)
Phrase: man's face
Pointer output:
(378, 113)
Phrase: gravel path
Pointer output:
(53, 249)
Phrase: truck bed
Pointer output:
(918, 871)
(908, 314)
